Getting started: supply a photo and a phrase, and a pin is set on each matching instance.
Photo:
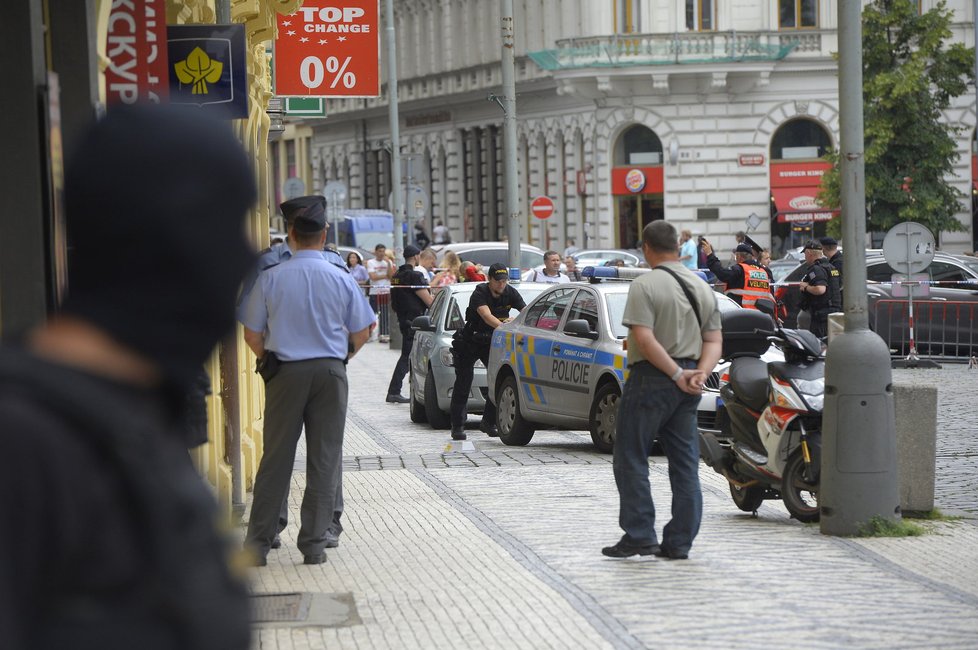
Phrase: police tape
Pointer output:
(903, 282)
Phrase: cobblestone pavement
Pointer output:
(500, 547)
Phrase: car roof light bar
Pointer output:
(606, 273)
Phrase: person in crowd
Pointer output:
(441, 234)
(112, 539)
(473, 272)
(410, 298)
(571, 248)
(309, 341)
(570, 265)
(820, 289)
(357, 269)
(688, 254)
(747, 283)
(674, 342)
(421, 239)
(550, 273)
(619, 262)
(488, 308)
(381, 270)
(426, 264)
(451, 271)
(830, 248)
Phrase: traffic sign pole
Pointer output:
(395, 128)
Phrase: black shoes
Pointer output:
(621, 549)
(394, 398)
(489, 429)
(277, 542)
(314, 559)
(458, 433)
(670, 554)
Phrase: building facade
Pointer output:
(702, 112)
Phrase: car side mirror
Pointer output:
(423, 323)
(580, 328)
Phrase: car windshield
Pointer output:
(781, 269)
(616, 310)
(971, 265)
(455, 318)
(488, 256)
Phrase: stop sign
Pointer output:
(542, 207)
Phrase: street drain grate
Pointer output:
(304, 610)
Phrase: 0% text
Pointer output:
(313, 71)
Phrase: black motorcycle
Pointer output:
(770, 431)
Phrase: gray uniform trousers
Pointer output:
(313, 393)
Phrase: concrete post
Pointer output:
(858, 476)
(509, 132)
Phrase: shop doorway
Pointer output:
(797, 148)
(637, 184)
(633, 213)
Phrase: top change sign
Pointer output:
(329, 49)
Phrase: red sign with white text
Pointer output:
(804, 174)
(135, 45)
(324, 50)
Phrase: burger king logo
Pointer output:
(635, 180)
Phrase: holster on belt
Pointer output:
(268, 366)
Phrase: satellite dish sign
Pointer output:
(909, 247)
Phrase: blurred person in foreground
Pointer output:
(113, 541)
(673, 343)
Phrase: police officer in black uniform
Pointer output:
(830, 247)
(488, 308)
(820, 294)
(410, 297)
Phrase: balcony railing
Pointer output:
(623, 50)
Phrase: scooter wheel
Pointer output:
(747, 499)
(799, 495)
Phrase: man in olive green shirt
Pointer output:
(672, 348)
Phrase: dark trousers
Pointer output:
(653, 407)
(819, 325)
(313, 394)
(465, 355)
(403, 361)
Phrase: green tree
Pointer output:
(910, 75)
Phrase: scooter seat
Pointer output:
(748, 378)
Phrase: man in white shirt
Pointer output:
(550, 272)
(440, 234)
(380, 270)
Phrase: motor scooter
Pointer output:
(769, 442)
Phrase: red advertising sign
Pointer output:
(637, 180)
(750, 159)
(542, 207)
(135, 45)
(805, 174)
(324, 50)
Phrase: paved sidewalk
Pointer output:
(500, 548)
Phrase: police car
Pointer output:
(432, 375)
(561, 362)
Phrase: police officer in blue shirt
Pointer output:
(282, 251)
(310, 317)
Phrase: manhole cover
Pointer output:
(304, 610)
(280, 608)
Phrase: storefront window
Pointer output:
(798, 14)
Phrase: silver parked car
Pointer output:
(432, 375)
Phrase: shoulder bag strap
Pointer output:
(689, 294)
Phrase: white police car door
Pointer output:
(574, 357)
(534, 346)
